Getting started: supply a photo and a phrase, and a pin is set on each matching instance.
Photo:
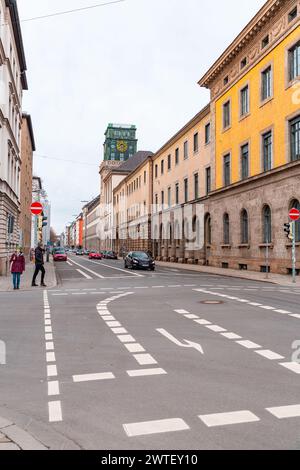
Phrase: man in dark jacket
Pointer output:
(39, 266)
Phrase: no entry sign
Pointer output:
(36, 208)
(294, 214)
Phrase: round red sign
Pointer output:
(294, 214)
(36, 208)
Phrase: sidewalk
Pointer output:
(14, 438)
(279, 279)
(26, 279)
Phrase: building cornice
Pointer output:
(253, 28)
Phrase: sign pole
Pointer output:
(294, 252)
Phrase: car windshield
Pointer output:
(140, 255)
(60, 252)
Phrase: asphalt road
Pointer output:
(121, 359)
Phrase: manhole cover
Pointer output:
(211, 302)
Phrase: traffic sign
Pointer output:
(294, 214)
(36, 208)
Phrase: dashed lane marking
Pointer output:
(248, 344)
(293, 366)
(53, 388)
(145, 372)
(270, 355)
(93, 377)
(183, 312)
(134, 347)
(155, 427)
(126, 339)
(283, 412)
(215, 328)
(55, 413)
(83, 274)
(225, 419)
(231, 336)
(144, 359)
(52, 371)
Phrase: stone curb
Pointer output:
(15, 438)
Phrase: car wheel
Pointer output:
(125, 266)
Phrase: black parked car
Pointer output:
(139, 259)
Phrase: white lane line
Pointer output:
(155, 427)
(48, 321)
(113, 324)
(126, 339)
(48, 329)
(119, 331)
(248, 344)
(46, 310)
(134, 347)
(191, 316)
(89, 270)
(89, 290)
(58, 295)
(69, 263)
(108, 318)
(49, 346)
(47, 316)
(144, 359)
(282, 412)
(119, 269)
(141, 287)
(255, 304)
(53, 388)
(158, 287)
(226, 419)
(294, 315)
(183, 312)
(93, 377)
(55, 413)
(216, 328)
(293, 366)
(50, 357)
(283, 311)
(203, 322)
(52, 371)
(145, 372)
(273, 356)
(49, 337)
(178, 285)
(267, 307)
(231, 336)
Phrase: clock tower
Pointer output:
(120, 142)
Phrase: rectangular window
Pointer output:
(244, 63)
(226, 80)
(156, 202)
(293, 14)
(226, 170)
(169, 162)
(266, 88)
(265, 42)
(267, 151)
(295, 139)
(169, 197)
(245, 101)
(186, 190)
(177, 193)
(226, 115)
(196, 142)
(294, 62)
(176, 156)
(145, 177)
(156, 171)
(162, 198)
(185, 150)
(196, 185)
(162, 167)
(207, 133)
(208, 180)
(245, 161)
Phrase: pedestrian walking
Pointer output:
(17, 267)
(39, 266)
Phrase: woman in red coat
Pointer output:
(17, 263)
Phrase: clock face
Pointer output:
(122, 146)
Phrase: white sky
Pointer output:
(135, 62)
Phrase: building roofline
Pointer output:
(190, 124)
(30, 128)
(15, 20)
(133, 172)
(254, 26)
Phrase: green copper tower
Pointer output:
(120, 142)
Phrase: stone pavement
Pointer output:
(14, 438)
(26, 279)
(250, 275)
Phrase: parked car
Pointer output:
(110, 255)
(60, 255)
(79, 253)
(95, 255)
(86, 252)
(139, 259)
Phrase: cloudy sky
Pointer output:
(134, 62)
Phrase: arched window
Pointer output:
(296, 205)
(226, 230)
(267, 225)
(208, 230)
(244, 227)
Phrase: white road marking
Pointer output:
(84, 274)
(191, 317)
(144, 359)
(119, 269)
(119, 331)
(189, 344)
(49, 346)
(79, 293)
(113, 324)
(52, 371)
(70, 264)
(270, 354)
(53, 388)
(47, 316)
(158, 287)
(155, 427)
(282, 412)
(145, 372)
(283, 311)
(50, 357)
(216, 328)
(248, 344)
(294, 315)
(181, 311)
(203, 322)
(134, 347)
(293, 366)
(48, 321)
(59, 295)
(225, 419)
(47, 310)
(126, 339)
(88, 290)
(254, 304)
(93, 377)
(267, 307)
(48, 337)
(48, 329)
(108, 317)
(55, 413)
(89, 270)
(231, 336)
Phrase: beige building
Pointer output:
(91, 220)
(27, 149)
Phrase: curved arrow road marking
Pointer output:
(190, 344)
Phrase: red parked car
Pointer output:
(95, 255)
(60, 255)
